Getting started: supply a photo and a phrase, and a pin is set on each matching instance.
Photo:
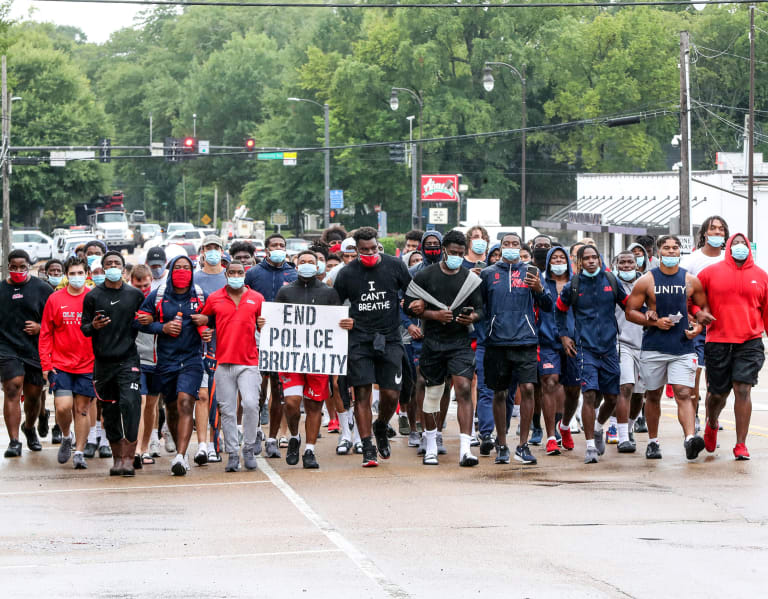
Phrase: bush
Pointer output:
(392, 243)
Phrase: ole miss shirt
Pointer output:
(62, 344)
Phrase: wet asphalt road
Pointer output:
(623, 528)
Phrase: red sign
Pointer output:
(439, 188)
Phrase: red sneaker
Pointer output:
(670, 393)
(567, 439)
(333, 426)
(552, 447)
(710, 438)
(740, 452)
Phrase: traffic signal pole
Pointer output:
(6, 164)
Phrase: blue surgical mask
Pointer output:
(91, 259)
(54, 280)
(321, 268)
(628, 275)
(479, 246)
(640, 260)
(586, 273)
(277, 256)
(113, 274)
(453, 262)
(558, 269)
(670, 261)
(213, 257)
(739, 251)
(98, 279)
(307, 270)
(236, 282)
(716, 241)
(77, 281)
(510, 254)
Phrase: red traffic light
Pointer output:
(190, 145)
(250, 144)
(332, 214)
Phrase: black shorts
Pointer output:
(733, 362)
(10, 368)
(503, 365)
(437, 364)
(367, 367)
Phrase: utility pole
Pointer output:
(6, 163)
(228, 212)
(414, 178)
(184, 194)
(215, 205)
(522, 170)
(685, 138)
(327, 196)
(751, 132)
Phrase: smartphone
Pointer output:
(532, 271)
(101, 313)
(480, 264)
(467, 310)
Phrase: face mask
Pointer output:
(628, 275)
(99, 279)
(146, 291)
(213, 257)
(540, 255)
(525, 261)
(739, 252)
(181, 278)
(276, 256)
(510, 254)
(77, 281)
(590, 274)
(558, 269)
(432, 255)
(91, 259)
(19, 277)
(479, 246)
(321, 268)
(55, 280)
(307, 270)
(113, 274)
(235, 282)
(370, 261)
(453, 262)
(670, 261)
(157, 273)
(716, 241)
(640, 260)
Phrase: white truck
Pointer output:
(112, 228)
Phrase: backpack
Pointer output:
(161, 293)
(575, 287)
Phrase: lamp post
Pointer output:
(394, 104)
(488, 85)
(327, 152)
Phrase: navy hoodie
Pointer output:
(509, 305)
(173, 353)
(428, 261)
(548, 335)
(267, 279)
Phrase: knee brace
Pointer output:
(432, 396)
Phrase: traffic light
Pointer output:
(189, 145)
(105, 153)
(250, 144)
(332, 213)
(172, 149)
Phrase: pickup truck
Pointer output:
(112, 228)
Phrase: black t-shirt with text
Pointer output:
(19, 303)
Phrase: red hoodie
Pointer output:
(62, 344)
(738, 298)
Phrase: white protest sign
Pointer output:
(303, 338)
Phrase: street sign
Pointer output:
(397, 153)
(206, 220)
(686, 244)
(439, 188)
(381, 221)
(279, 218)
(438, 216)
(204, 146)
(60, 158)
(157, 148)
(269, 156)
(337, 199)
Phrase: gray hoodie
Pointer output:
(630, 334)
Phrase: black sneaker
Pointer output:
(390, 431)
(693, 447)
(105, 451)
(369, 453)
(626, 447)
(653, 451)
(382, 438)
(292, 455)
(523, 454)
(42, 424)
(309, 460)
(486, 444)
(640, 425)
(56, 435)
(14, 449)
(502, 454)
(90, 450)
(32, 441)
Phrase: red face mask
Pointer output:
(19, 277)
(147, 291)
(369, 261)
(181, 278)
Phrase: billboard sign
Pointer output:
(439, 188)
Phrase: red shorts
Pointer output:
(311, 386)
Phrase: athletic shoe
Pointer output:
(627, 447)
(33, 443)
(502, 454)
(271, 449)
(567, 439)
(422, 445)
(154, 448)
(653, 451)
(693, 447)
(201, 457)
(333, 426)
(65, 451)
(468, 460)
(249, 456)
(599, 442)
(523, 454)
(369, 454)
(558, 436)
(42, 424)
(105, 451)
(178, 468)
(640, 425)
(669, 392)
(56, 435)
(382, 438)
(292, 455)
(233, 463)
(186, 464)
(309, 461)
(414, 439)
(575, 426)
(591, 456)
(475, 441)
(403, 425)
(344, 446)
(698, 425)
(14, 449)
(79, 461)
(257, 444)
(264, 414)
(391, 434)
(486, 444)
(137, 465)
(612, 435)
(430, 459)
(213, 456)
(170, 445)
(632, 437)
(719, 426)
(326, 419)
(552, 447)
(441, 450)
(283, 442)
(740, 452)
(536, 436)
(710, 438)
(358, 448)
(90, 450)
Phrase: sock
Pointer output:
(92, 436)
(654, 440)
(564, 426)
(432, 441)
(78, 453)
(344, 425)
(598, 426)
(154, 436)
(297, 437)
(271, 440)
(551, 439)
(355, 434)
(310, 447)
(612, 421)
(375, 395)
(464, 444)
(202, 448)
(178, 458)
(103, 441)
(631, 424)
(623, 432)
(474, 432)
(688, 438)
(98, 428)
(591, 444)
(536, 420)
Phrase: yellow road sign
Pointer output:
(206, 220)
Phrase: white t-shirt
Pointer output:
(697, 261)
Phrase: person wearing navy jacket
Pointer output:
(510, 294)
(594, 344)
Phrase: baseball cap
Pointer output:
(156, 255)
(348, 246)
(225, 257)
(213, 239)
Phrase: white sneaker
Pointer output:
(154, 448)
(186, 463)
(201, 457)
(326, 417)
(178, 468)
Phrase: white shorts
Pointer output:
(629, 361)
(658, 369)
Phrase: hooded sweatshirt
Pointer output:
(548, 336)
(646, 263)
(173, 353)
(428, 261)
(267, 279)
(737, 297)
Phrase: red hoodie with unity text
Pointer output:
(737, 297)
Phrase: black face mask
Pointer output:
(540, 257)
(432, 255)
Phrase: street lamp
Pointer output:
(488, 83)
(327, 152)
(394, 104)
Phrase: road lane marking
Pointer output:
(131, 488)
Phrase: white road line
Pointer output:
(131, 488)
(364, 563)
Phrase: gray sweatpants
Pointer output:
(231, 378)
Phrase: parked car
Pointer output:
(138, 216)
(192, 236)
(65, 247)
(175, 227)
(294, 245)
(38, 245)
(148, 231)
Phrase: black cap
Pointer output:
(156, 255)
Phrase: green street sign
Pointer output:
(269, 156)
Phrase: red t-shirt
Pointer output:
(62, 344)
(235, 326)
